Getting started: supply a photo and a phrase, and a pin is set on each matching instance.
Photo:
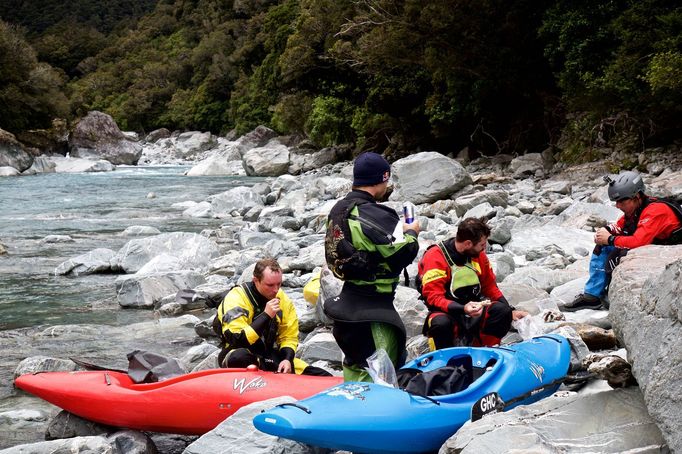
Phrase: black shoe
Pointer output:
(583, 301)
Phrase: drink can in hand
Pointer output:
(408, 213)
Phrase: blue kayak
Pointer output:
(446, 389)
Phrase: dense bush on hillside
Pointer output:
(30, 92)
(391, 75)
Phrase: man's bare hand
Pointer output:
(284, 367)
(414, 225)
(601, 236)
(272, 307)
(473, 309)
(518, 315)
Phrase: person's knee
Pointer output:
(440, 325)
(315, 371)
(498, 320)
(239, 357)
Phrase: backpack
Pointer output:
(676, 235)
(343, 259)
(418, 278)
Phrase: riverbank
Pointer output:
(542, 218)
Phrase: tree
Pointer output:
(30, 92)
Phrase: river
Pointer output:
(93, 209)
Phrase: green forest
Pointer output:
(395, 76)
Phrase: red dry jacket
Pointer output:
(656, 222)
(436, 277)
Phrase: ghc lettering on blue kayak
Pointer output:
(488, 403)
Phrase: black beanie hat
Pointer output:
(370, 169)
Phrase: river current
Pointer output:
(93, 209)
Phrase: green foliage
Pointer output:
(291, 112)
(665, 72)
(30, 92)
(104, 16)
(67, 43)
(619, 60)
(497, 76)
(258, 89)
(329, 121)
(372, 129)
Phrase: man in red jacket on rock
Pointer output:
(458, 286)
(645, 220)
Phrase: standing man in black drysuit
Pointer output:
(368, 246)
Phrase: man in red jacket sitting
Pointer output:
(458, 286)
(645, 220)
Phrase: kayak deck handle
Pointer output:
(294, 404)
(548, 337)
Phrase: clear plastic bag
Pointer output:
(381, 369)
(529, 326)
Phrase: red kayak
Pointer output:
(190, 404)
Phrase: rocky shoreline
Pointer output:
(542, 215)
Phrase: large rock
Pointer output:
(41, 164)
(77, 165)
(320, 346)
(218, 164)
(68, 425)
(95, 261)
(192, 250)
(444, 176)
(527, 165)
(578, 214)
(35, 364)
(668, 183)
(412, 310)
(123, 442)
(9, 171)
(541, 278)
(237, 434)
(12, 153)
(47, 141)
(571, 240)
(305, 162)
(157, 134)
(598, 419)
(240, 199)
(96, 136)
(496, 198)
(269, 161)
(256, 138)
(143, 291)
(190, 144)
(646, 311)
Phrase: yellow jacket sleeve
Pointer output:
(287, 335)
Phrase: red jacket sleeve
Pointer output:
(435, 274)
(656, 221)
(617, 227)
(489, 286)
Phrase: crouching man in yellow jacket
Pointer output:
(260, 325)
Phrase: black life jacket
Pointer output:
(342, 258)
